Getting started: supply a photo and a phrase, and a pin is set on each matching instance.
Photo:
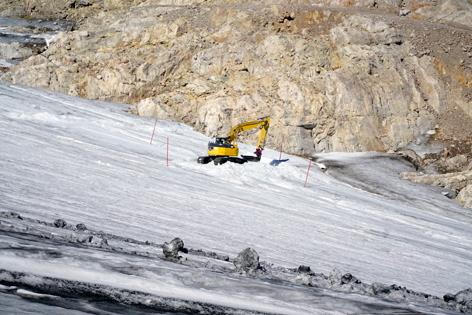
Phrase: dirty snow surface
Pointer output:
(87, 203)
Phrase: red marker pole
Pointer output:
(167, 163)
(307, 173)
(281, 146)
(153, 131)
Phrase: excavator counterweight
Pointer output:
(224, 149)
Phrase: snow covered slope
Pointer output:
(92, 163)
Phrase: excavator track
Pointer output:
(218, 160)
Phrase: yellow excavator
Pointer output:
(224, 149)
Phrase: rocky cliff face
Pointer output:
(333, 75)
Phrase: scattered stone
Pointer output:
(247, 260)
(457, 162)
(81, 227)
(335, 276)
(348, 278)
(12, 215)
(379, 288)
(60, 223)
(104, 244)
(451, 194)
(171, 250)
(247, 263)
(84, 238)
(449, 297)
(464, 296)
(304, 269)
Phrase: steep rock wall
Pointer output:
(333, 75)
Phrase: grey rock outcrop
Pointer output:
(464, 198)
(460, 182)
(453, 181)
(459, 12)
(14, 51)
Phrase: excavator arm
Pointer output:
(260, 122)
(263, 134)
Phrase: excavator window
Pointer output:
(220, 140)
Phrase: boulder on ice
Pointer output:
(60, 223)
(462, 298)
(81, 227)
(171, 250)
(247, 260)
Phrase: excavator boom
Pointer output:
(224, 149)
(263, 122)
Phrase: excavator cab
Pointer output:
(223, 149)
